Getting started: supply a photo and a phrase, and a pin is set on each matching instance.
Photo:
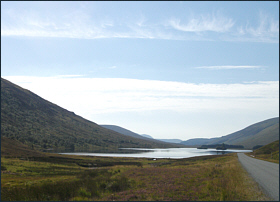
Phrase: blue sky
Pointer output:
(167, 69)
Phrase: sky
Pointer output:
(171, 69)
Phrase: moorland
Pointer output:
(47, 177)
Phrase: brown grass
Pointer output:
(220, 178)
(208, 178)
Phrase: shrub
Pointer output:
(3, 168)
(83, 192)
(119, 184)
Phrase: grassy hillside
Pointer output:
(14, 148)
(147, 136)
(123, 131)
(264, 137)
(261, 133)
(177, 141)
(269, 152)
(132, 134)
(267, 149)
(41, 124)
(197, 141)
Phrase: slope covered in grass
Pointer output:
(14, 148)
(269, 152)
(260, 133)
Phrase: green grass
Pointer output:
(64, 179)
(218, 178)
(269, 152)
(42, 181)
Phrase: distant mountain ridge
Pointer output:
(197, 141)
(148, 136)
(260, 133)
(178, 141)
(38, 123)
(132, 134)
(123, 131)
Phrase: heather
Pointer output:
(73, 178)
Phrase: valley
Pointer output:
(139, 100)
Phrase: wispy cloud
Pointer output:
(79, 24)
(203, 23)
(112, 67)
(267, 27)
(266, 31)
(221, 67)
(82, 24)
(68, 76)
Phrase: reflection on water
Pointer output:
(175, 153)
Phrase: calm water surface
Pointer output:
(174, 153)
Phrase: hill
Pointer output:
(132, 134)
(123, 131)
(178, 141)
(268, 149)
(14, 148)
(197, 141)
(148, 136)
(40, 124)
(260, 133)
(269, 152)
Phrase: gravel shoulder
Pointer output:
(266, 174)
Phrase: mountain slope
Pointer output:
(197, 141)
(178, 141)
(265, 136)
(268, 149)
(30, 119)
(269, 152)
(132, 134)
(14, 148)
(260, 133)
(147, 136)
(123, 131)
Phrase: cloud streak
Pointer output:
(266, 31)
(225, 67)
(203, 23)
(82, 24)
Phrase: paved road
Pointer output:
(265, 173)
